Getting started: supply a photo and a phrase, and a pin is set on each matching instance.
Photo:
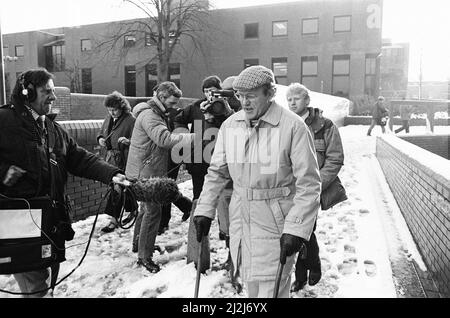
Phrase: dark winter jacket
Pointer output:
(379, 111)
(117, 153)
(328, 144)
(20, 146)
(193, 115)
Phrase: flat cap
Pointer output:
(253, 77)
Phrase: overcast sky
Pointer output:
(425, 24)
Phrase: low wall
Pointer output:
(366, 120)
(437, 144)
(420, 183)
(86, 195)
(74, 106)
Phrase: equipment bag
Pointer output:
(28, 235)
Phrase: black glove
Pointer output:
(290, 244)
(202, 225)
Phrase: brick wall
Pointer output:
(420, 183)
(85, 194)
(437, 144)
(62, 104)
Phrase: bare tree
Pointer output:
(166, 24)
(72, 73)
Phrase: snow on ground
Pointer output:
(353, 249)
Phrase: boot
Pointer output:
(149, 265)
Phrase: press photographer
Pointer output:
(36, 154)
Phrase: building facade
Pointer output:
(331, 46)
(394, 69)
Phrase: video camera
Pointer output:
(216, 102)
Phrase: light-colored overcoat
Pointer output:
(276, 187)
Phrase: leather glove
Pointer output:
(290, 244)
(202, 225)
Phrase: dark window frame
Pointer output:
(342, 16)
(341, 57)
(127, 42)
(130, 86)
(280, 35)
(86, 85)
(279, 60)
(23, 50)
(81, 45)
(250, 62)
(246, 31)
(371, 91)
(310, 33)
(314, 58)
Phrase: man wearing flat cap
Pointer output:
(268, 153)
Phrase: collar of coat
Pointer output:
(25, 112)
(315, 120)
(272, 115)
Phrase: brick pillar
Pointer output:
(62, 104)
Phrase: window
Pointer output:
(250, 62)
(19, 50)
(279, 28)
(151, 76)
(150, 39)
(341, 75)
(86, 80)
(130, 80)
(279, 67)
(130, 40)
(309, 72)
(55, 58)
(151, 79)
(172, 37)
(310, 26)
(343, 23)
(251, 30)
(174, 73)
(86, 45)
(370, 83)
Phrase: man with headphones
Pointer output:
(36, 155)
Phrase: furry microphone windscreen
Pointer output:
(159, 190)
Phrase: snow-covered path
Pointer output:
(353, 248)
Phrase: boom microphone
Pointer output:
(159, 190)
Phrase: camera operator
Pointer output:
(206, 113)
(36, 155)
(201, 115)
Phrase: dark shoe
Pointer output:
(149, 265)
(109, 228)
(314, 276)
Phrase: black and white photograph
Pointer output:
(231, 150)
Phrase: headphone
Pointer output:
(28, 92)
